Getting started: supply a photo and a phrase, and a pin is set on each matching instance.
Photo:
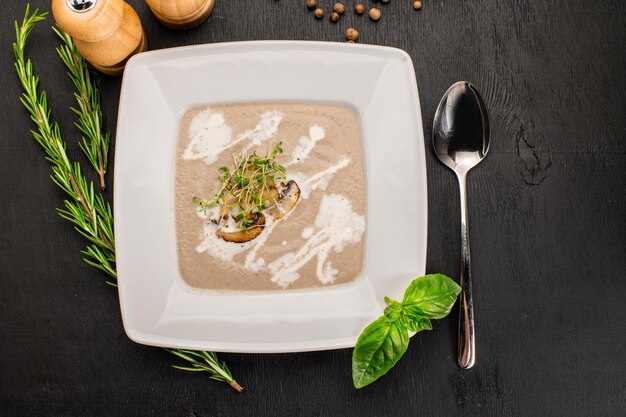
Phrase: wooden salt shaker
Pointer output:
(181, 14)
(106, 32)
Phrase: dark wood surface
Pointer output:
(547, 219)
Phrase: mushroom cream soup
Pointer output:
(269, 196)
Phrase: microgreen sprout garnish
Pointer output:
(248, 188)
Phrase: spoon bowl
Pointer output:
(461, 141)
(461, 128)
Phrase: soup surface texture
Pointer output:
(320, 242)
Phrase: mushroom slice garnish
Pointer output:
(244, 235)
(284, 201)
(289, 197)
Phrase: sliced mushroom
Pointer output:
(273, 194)
(283, 202)
(289, 197)
(241, 236)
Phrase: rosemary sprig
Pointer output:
(86, 209)
(95, 143)
(206, 362)
(250, 188)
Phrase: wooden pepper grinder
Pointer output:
(181, 14)
(106, 32)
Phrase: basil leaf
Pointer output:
(415, 324)
(431, 296)
(412, 321)
(377, 350)
(383, 342)
(394, 309)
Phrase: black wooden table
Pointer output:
(547, 213)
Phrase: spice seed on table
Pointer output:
(311, 4)
(417, 5)
(334, 16)
(359, 8)
(339, 8)
(319, 13)
(374, 14)
(352, 34)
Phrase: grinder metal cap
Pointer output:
(81, 5)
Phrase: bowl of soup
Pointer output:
(268, 195)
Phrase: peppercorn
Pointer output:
(311, 4)
(319, 13)
(339, 8)
(417, 5)
(374, 13)
(352, 34)
(359, 8)
(334, 16)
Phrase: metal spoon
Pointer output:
(461, 141)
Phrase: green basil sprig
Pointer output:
(384, 341)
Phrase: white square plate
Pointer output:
(378, 82)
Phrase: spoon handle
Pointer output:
(467, 347)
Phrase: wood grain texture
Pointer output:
(547, 219)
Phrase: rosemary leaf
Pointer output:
(185, 368)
